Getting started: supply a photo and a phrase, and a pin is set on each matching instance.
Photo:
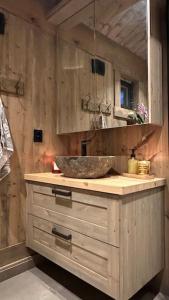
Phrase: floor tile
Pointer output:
(50, 282)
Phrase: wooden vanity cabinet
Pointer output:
(113, 242)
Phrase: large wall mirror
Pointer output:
(103, 65)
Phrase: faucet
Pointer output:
(84, 144)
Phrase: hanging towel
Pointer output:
(6, 145)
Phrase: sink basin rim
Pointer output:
(84, 167)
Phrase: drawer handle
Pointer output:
(63, 236)
(62, 193)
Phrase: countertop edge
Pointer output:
(103, 188)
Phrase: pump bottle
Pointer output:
(132, 163)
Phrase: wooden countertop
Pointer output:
(119, 185)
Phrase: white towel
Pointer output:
(6, 145)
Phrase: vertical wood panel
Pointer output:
(29, 53)
(155, 58)
(141, 240)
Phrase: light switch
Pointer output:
(38, 136)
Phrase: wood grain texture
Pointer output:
(93, 215)
(18, 266)
(111, 46)
(77, 82)
(35, 109)
(141, 240)
(124, 260)
(10, 254)
(127, 27)
(155, 57)
(118, 142)
(33, 12)
(65, 9)
(118, 185)
(121, 21)
(138, 176)
(89, 259)
(27, 52)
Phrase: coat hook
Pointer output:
(108, 106)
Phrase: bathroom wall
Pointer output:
(27, 50)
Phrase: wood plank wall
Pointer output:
(119, 62)
(28, 50)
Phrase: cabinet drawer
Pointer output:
(94, 261)
(92, 214)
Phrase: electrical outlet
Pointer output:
(38, 136)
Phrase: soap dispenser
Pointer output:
(132, 163)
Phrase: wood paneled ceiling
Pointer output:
(127, 28)
(122, 21)
(49, 4)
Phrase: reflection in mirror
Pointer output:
(76, 72)
(102, 66)
(121, 39)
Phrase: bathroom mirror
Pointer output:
(106, 59)
(75, 45)
(121, 40)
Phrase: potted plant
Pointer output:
(138, 115)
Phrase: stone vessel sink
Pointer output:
(85, 166)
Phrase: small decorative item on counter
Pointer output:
(55, 168)
(133, 163)
(138, 115)
(143, 167)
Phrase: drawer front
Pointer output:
(91, 260)
(91, 214)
